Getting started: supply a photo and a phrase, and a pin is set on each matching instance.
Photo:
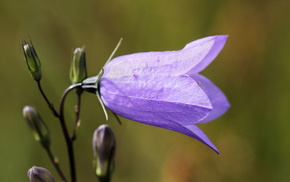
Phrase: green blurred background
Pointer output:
(253, 70)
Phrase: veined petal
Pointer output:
(156, 98)
(194, 57)
(175, 116)
(218, 99)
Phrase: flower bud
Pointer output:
(38, 127)
(39, 174)
(104, 145)
(32, 60)
(78, 69)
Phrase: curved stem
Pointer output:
(68, 140)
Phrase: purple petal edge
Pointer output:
(201, 136)
(219, 101)
(193, 58)
(189, 130)
(219, 42)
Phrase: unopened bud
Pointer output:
(78, 69)
(32, 60)
(38, 127)
(104, 146)
(39, 174)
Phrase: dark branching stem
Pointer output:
(49, 153)
(69, 141)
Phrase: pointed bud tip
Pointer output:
(32, 61)
(39, 174)
(37, 126)
(78, 69)
(104, 146)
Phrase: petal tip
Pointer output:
(221, 39)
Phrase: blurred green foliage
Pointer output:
(253, 70)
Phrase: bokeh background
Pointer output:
(253, 70)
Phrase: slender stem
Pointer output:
(50, 105)
(77, 121)
(55, 164)
(68, 140)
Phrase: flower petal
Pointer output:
(189, 130)
(163, 88)
(164, 114)
(156, 98)
(218, 100)
(194, 57)
(197, 133)
(213, 45)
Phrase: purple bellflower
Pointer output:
(165, 89)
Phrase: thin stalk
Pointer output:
(50, 105)
(77, 121)
(55, 163)
(68, 140)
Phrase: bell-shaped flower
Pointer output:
(165, 89)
